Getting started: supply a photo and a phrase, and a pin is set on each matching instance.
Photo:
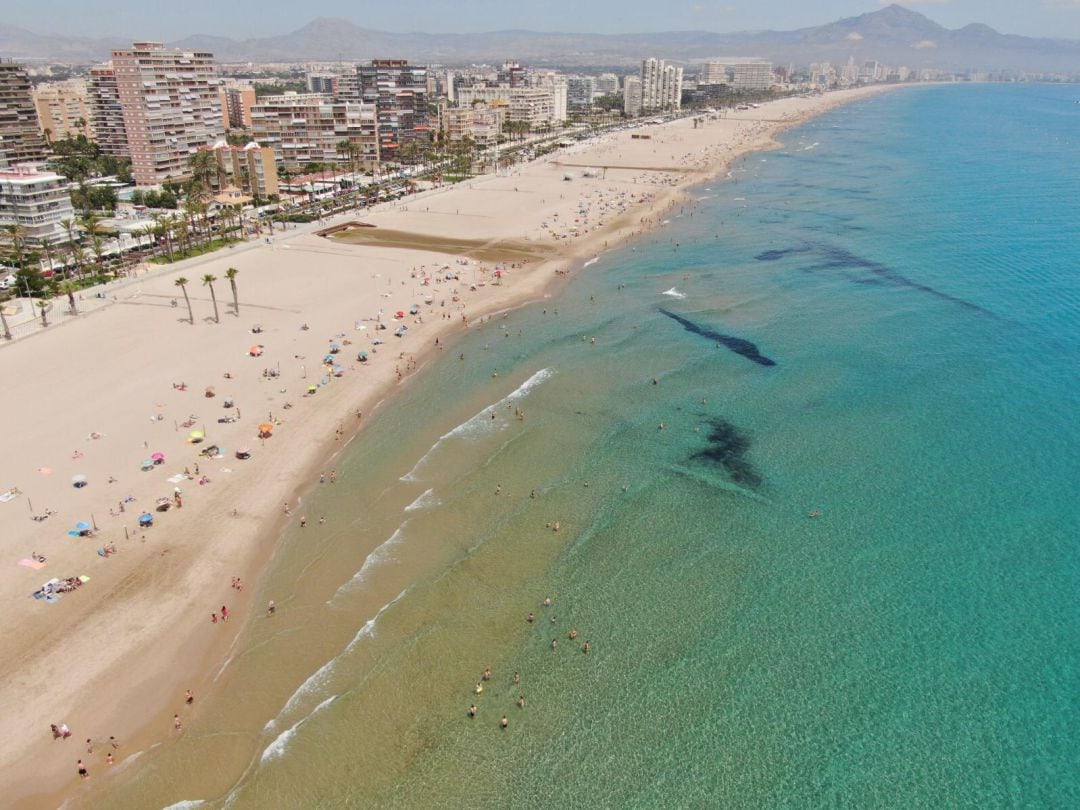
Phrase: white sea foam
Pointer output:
(591, 261)
(281, 742)
(482, 422)
(378, 554)
(814, 145)
(186, 804)
(674, 293)
(319, 678)
(369, 626)
(426, 500)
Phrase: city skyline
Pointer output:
(239, 20)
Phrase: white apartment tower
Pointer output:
(171, 107)
(661, 86)
(632, 96)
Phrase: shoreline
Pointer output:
(155, 676)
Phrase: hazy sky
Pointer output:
(240, 19)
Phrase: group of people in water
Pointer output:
(486, 675)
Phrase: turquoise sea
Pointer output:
(909, 265)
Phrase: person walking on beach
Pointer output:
(83, 773)
(504, 722)
(109, 758)
(113, 742)
(176, 722)
(224, 613)
(89, 746)
(189, 698)
(271, 608)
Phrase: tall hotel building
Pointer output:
(20, 135)
(661, 86)
(171, 106)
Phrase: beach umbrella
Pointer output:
(147, 464)
(414, 309)
(265, 429)
(255, 351)
(399, 314)
(334, 348)
(311, 389)
(83, 526)
(78, 480)
(146, 519)
(194, 437)
(329, 358)
(158, 457)
(338, 371)
(362, 357)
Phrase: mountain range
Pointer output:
(893, 35)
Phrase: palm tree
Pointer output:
(182, 284)
(43, 305)
(4, 323)
(208, 281)
(47, 246)
(16, 235)
(231, 275)
(68, 288)
(48, 136)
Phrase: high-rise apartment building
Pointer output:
(20, 136)
(305, 128)
(738, 73)
(661, 86)
(37, 201)
(251, 168)
(106, 114)
(399, 92)
(171, 107)
(481, 123)
(580, 91)
(63, 109)
(632, 96)
(236, 104)
(607, 84)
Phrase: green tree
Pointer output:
(231, 275)
(182, 284)
(208, 281)
(43, 306)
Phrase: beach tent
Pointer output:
(399, 314)
(362, 357)
(83, 528)
(78, 481)
(328, 358)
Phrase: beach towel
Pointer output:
(176, 479)
(37, 566)
(84, 579)
(10, 495)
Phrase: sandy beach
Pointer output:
(103, 393)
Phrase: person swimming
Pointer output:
(479, 688)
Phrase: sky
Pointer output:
(241, 19)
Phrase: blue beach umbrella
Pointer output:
(83, 526)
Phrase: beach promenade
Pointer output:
(137, 381)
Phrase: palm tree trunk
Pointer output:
(191, 313)
(235, 300)
(4, 323)
(213, 298)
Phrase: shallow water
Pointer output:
(908, 264)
